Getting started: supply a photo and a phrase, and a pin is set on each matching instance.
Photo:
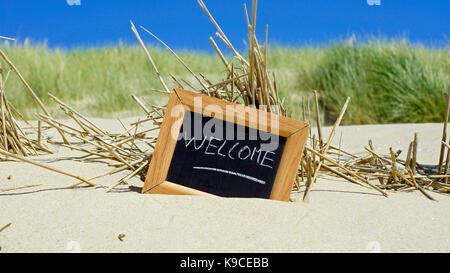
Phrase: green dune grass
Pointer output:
(389, 82)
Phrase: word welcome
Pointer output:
(232, 150)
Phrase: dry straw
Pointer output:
(13, 137)
(5, 227)
(7, 38)
(249, 82)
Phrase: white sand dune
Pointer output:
(340, 217)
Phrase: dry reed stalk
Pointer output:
(20, 188)
(408, 155)
(12, 137)
(39, 132)
(222, 35)
(394, 165)
(89, 124)
(316, 103)
(445, 170)
(177, 57)
(7, 38)
(444, 134)
(417, 186)
(101, 145)
(342, 175)
(346, 169)
(28, 87)
(139, 102)
(128, 177)
(44, 166)
(326, 146)
(414, 154)
(5, 227)
(136, 33)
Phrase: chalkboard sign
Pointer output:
(230, 166)
(202, 149)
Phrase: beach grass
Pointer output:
(389, 82)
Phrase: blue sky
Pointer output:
(183, 24)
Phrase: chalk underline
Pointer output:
(251, 178)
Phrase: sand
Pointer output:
(339, 217)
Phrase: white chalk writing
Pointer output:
(248, 177)
(214, 146)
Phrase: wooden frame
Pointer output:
(294, 131)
